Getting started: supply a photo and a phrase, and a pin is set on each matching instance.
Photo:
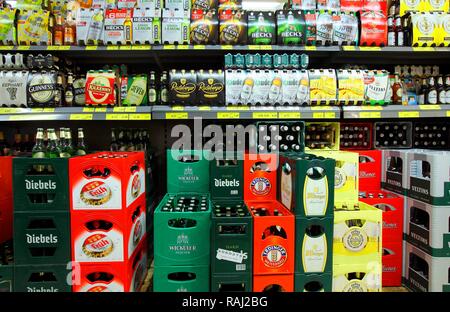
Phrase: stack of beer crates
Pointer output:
(108, 218)
(6, 225)
(182, 227)
(41, 225)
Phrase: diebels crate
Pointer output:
(306, 184)
(370, 162)
(313, 245)
(183, 278)
(182, 237)
(42, 278)
(106, 180)
(227, 177)
(313, 282)
(260, 176)
(390, 135)
(126, 276)
(188, 171)
(108, 236)
(273, 283)
(393, 171)
(392, 263)
(232, 282)
(357, 277)
(424, 273)
(6, 278)
(6, 199)
(357, 234)
(280, 136)
(356, 136)
(346, 175)
(392, 206)
(435, 135)
(40, 184)
(41, 237)
(427, 227)
(428, 176)
(273, 238)
(231, 238)
(322, 136)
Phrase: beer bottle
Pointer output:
(431, 94)
(128, 27)
(152, 95)
(4, 147)
(53, 151)
(17, 145)
(397, 91)
(399, 35)
(441, 94)
(163, 86)
(62, 138)
(70, 92)
(130, 144)
(422, 92)
(69, 31)
(122, 143)
(59, 92)
(26, 143)
(447, 89)
(81, 146)
(58, 31)
(391, 32)
(114, 147)
(69, 146)
(406, 33)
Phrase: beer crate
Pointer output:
(182, 237)
(40, 184)
(280, 136)
(188, 171)
(424, 273)
(346, 177)
(107, 236)
(314, 245)
(6, 170)
(6, 218)
(392, 206)
(427, 227)
(41, 237)
(273, 238)
(357, 277)
(389, 135)
(369, 169)
(322, 136)
(312, 282)
(433, 136)
(306, 184)
(393, 171)
(428, 176)
(126, 276)
(227, 177)
(231, 238)
(357, 234)
(185, 278)
(6, 267)
(355, 136)
(232, 282)
(42, 278)
(106, 180)
(392, 264)
(273, 283)
(260, 177)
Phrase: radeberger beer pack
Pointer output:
(204, 27)
(210, 87)
(8, 28)
(33, 27)
(290, 27)
(175, 26)
(261, 27)
(146, 26)
(233, 27)
(90, 24)
(182, 87)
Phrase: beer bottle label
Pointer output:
(432, 97)
(447, 97)
(315, 196)
(136, 92)
(152, 95)
(286, 190)
(314, 253)
(69, 96)
(442, 97)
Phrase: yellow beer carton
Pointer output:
(438, 6)
(443, 39)
(33, 27)
(361, 277)
(425, 29)
(7, 26)
(411, 6)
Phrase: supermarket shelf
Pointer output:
(245, 112)
(396, 111)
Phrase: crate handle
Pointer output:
(97, 172)
(137, 259)
(136, 213)
(273, 288)
(355, 275)
(313, 286)
(38, 277)
(182, 223)
(188, 158)
(388, 252)
(100, 276)
(395, 164)
(231, 287)
(232, 229)
(260, 166)
(98, 225)
(366, 159)
(182, 276)
(420, 218)
(226, 163)
(385, 207)
(135, 167)
(316, 173)
(274, 230)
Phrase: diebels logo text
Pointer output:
(42, 239)
(260, 186)
(226, 183)
(274, 256)
(40, 185)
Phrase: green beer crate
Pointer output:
(181, 278)
(314, 245)
(182, 237)
(40, 184)
(188, 171)
(42, 278)
(233, 282)
(41, 237)
(313, 282)
(6, 278)
(306, 184)
(231, 238)
(227, 177)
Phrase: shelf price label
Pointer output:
(318, 115)
(140, 117)
(91, 48)
(370, 115)
(125, 47)
(238, 108)
(330, 115)
(260, 47)
(37, 110)
(119, 109)
(7, 48)
(310, 48)
(131, 109)
(141, 47)
(100, 110)
(321, 108)
(80, 117)
(204, 108)
(169, 47)
(116, 116)
(227, 47)
(371, 108)
(199, 47)
(113, 48)
(49, 110)
(176, 115)
(21, 117)
(264, 115)
(413, 114)
(9, 110)
(88, 109)
(430, 107)
(178, 108)
(228, 115)
(369, 48)
(349, 48)
(183, 47)
(423, 49)
(23, 48)
(448, 113)
(289, 115)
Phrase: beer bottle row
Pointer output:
(50, 145)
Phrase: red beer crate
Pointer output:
(273, 238)
(260, 176)
(273, 283)
(106, 180)
(6, 201)
(370, 162)
(392, 206)
(126, 276)
(392, 263)
(107, 236)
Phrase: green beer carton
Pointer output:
(181, 278)
(261, 28)
(313, 282)
(42, 278)
(241, 282)
(227, 175)
(136, 91)
(291, 27)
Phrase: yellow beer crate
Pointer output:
(359, 277)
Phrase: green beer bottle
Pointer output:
(69, 147)
(53, 150)
(39, 150)
(81, 146)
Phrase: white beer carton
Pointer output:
(146, 26)
(177, 4)
(115, 27)
(175, 26)
(13, 88)
(89, 26)
(295, 87)
(151, 4)
(393, 171)
(261, 88)
(238, 86)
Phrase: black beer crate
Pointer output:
(280, 136)
(313, 282)
(393, 135)
(41, 184)
(355, 135)
(42, 278)
(434, 135)
(231, 282)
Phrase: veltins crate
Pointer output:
(313, 282)
(322, 136)
(260, 176)
(227, 177)
(280, 136)
(231, 282)
(6, 278)
(314, 245)
(42, 278)
(181, 278)
(424, 273)
(41, 237)
(357, 277)
(392, 264)
(182, 237)
(273, 283)
(357, 234)
(393, 171)
(306, 184)
(369, 169)
(231, 238)
(427, 227)
(41, 184)
(429, 176)
(188, 171)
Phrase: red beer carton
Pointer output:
(369, 169)
(351, 5)
(276, 282)
(373, 28)
(100, 88)
(375, 5)
(6, 201)
(260, 176)
(392, 263)
(106, 180)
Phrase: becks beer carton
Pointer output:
(146, 26)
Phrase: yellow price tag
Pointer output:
(100, 110)
(199, 47)
(112, 48)
(119, 109)
(448, 113)
(228, 115)
(408, 114)
(131, 109)
(21, 117)
(49, 110)
(37, 110)
(428, 107)
(321, 108)
(349, 48)
(227, 47)
(140, 117)
(330, 115)
(64, 48)
(116, 116)
(183, 47)
(310, 48)
(371, 108)
(176, 115)
(23, 48)
(238, 108)
(80, 116)
(169, 47)
(318, 115)
(141, 47)
(204, 108)
(370, 115)
(7, 47)
(9, 110)
(125, 47)
(260, 47)
(52, 48)
(178, 108)
(423, 49)
(88, 110)
(289, 115)
(369, 48)
(264, 115)
(91, 48)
